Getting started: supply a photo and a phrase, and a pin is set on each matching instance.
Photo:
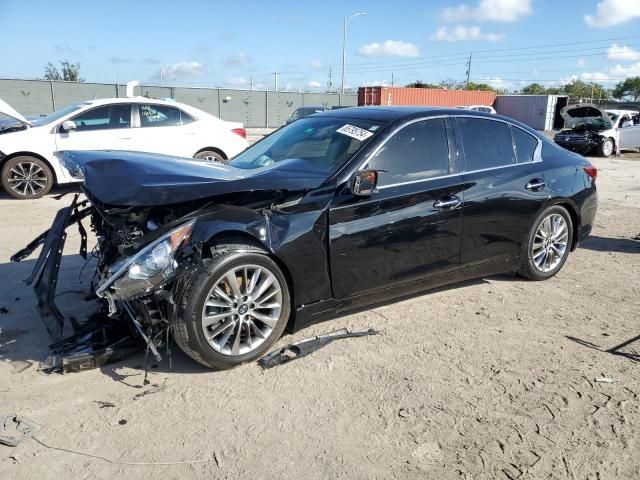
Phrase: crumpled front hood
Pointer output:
(146, 179)
(585, 113)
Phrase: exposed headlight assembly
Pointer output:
(148, 268)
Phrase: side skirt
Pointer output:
(306, 315)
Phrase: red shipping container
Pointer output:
(435, 97)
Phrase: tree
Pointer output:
(70, 72)
(629, 88)
(579, 90)
(421, 84)
(476, 86)
(534, 89)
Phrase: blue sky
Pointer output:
(226, 43)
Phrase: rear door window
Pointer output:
(160, 116)
(525, 144)
(487, 143)
(418, 151)
(104, 118)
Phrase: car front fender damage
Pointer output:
(127, 323)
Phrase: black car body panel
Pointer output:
(338, 251)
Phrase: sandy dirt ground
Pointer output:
(491, 379)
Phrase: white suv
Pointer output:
(30, 168)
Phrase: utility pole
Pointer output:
(251, 83)
(392, 80)
(330, 83)
(344, 45)
(275, 80)
(469, 69)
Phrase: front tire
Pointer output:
(26, 177)
(233, 309)
(548, 244)
(606, 148)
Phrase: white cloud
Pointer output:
(390, 48)
(489, 10)
(238, 60)
(611, 75)
(460, 33)
(376, 83)
(236, 81)
(315, 63)
(313, 84)
(613, 12)
(183, 69)
(623, 53)
(581, 62)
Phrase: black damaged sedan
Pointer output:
(331, 213)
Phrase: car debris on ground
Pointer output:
(307, 346)
(14, 429)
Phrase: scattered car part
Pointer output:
(14, 429)
(307, 346)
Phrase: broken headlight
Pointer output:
(148, 268)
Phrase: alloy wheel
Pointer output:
(27, 179)
(242, 309)
(607, 147)
(550, 242)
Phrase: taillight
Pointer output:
(240, 131)
(592, 172)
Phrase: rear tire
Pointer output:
(210, 155)
(548, 244)
(606, 148)
(222, 327)
(26, 178)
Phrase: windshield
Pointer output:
(52, 117)
(325, 142)
(613, 116)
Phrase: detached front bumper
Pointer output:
(99, 340)
(44, 276)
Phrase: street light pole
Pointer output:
(344, 44)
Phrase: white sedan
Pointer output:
(30, 167)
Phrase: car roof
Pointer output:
(102, 101)
(393, 113)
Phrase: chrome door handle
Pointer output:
(448, 204)
(535, 185)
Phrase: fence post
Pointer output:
(219, 105)
(266, 109)
(53, 96)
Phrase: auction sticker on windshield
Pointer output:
(354, 132)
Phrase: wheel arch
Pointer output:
(34, 155)
(213, 149)
(244, 237)
(572, 208)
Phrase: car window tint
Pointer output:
(185, 118)
(417, 152)
(487, 143)
(102, 118)
(159, 116)
(525, 144)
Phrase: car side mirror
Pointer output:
(363, 182)
(68, 125)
